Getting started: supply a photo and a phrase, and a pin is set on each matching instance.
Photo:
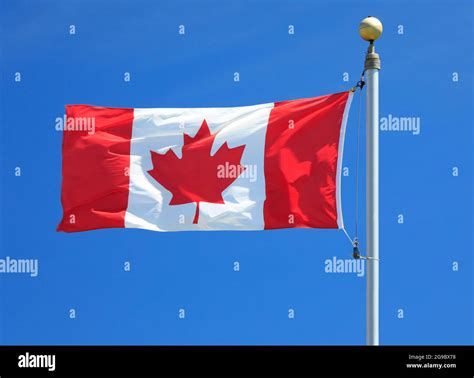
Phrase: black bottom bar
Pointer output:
(135, 361)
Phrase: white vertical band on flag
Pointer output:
(162, 129)
(340, 151)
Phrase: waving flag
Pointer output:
(276, 165)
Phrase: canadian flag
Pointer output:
(276, 165)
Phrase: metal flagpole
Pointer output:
(370, 29)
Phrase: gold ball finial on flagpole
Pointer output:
(370, 28)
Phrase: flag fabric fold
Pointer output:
(269, 166)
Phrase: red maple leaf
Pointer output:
(196, 177)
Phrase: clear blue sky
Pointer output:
(279, 270)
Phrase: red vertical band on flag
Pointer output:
(96, 160)
(301, 158)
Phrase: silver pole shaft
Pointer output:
(372, 199)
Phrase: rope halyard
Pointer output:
(361, 84)
(355, 241)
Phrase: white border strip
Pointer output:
(340, 152)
